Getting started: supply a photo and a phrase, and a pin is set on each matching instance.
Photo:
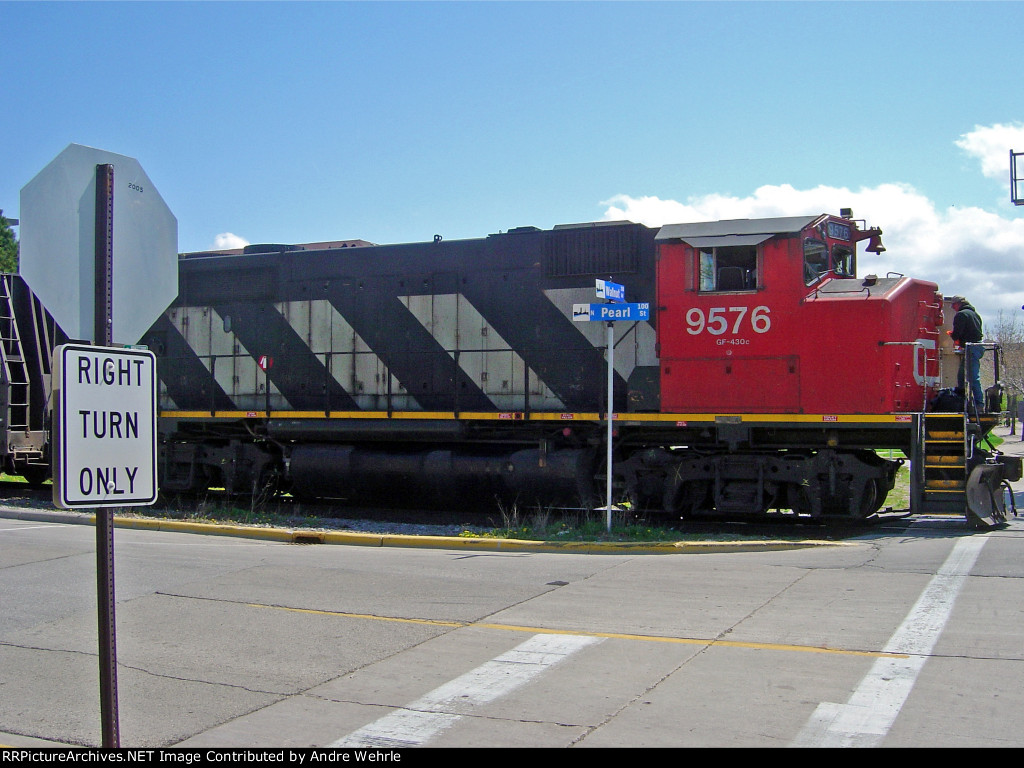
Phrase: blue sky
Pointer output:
(393, 121)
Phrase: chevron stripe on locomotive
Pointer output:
(764, 382)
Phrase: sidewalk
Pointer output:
(1012, 445)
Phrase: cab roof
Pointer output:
(733, 231)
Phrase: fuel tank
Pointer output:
(443, 477)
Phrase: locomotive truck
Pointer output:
(768, 380)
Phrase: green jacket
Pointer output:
(966, 325)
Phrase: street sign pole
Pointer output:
(611, 416)
(104, 515)
(613, 293)
(616, 310)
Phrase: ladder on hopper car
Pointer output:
(22, 449)
(14, 397)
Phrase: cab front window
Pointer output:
(815, 261)
(843, 263)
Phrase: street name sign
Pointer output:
(582, 313)
(105, 425)
(610, 291)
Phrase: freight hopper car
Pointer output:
(765, 381)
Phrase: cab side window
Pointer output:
(728, 268)
(815, 261)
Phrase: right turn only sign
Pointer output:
(105, 427)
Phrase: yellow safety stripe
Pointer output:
(676, 419)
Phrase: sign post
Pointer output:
(105, 438)
(103, 312)
(611, 313)
(611, 416)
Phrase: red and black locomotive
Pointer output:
(765, 381)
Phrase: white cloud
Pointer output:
(228, 240)
(968, 251)
(991, 144)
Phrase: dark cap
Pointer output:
(957, 300)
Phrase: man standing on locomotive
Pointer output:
(967, 335)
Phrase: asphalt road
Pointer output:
(909, 635)
(906, 635)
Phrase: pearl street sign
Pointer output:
(582, 313)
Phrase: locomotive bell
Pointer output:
(875, 241)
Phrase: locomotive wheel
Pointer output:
(35, 475)
(800, 500)
(872, 499)
(686, 498)
(268, 484)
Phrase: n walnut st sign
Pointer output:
(106, 415)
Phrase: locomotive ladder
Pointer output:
(14, 386)
(945, 465)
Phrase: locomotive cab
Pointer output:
(767, 316)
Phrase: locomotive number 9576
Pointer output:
(734, 320)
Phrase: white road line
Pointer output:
(871, 710)
(419, 722)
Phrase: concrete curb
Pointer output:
(477, 544)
